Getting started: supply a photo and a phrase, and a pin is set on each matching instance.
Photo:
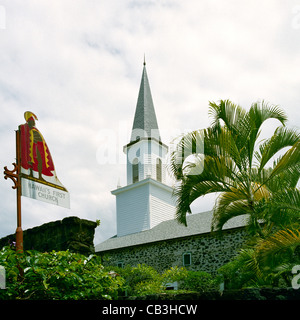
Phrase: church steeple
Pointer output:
(145, 122)
(146, 200)
(145, 153)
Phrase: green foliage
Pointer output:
(265, 262)
(174, 274)
(236, 274)
(56, 275)
(200, 281)
(70, 276)
(140, 280)
(253, 177)
(235, 163)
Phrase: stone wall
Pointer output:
(71, 233)
(208, 251)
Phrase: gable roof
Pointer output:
(145, 117)
(196, 224)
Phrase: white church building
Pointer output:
(145, 208)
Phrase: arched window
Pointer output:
(135, 170)
(158, 170)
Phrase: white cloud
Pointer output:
(77, 65)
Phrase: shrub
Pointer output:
(140, 280)
(56, 275)
(174, 274)
(200, 281)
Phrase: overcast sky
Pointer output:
(77, 65)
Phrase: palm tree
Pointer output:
(265, 262)
(228, 159)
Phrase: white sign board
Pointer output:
(45, 192)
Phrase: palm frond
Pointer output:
(286, 199)
(281, 138)
(227, 111)
(222, 216)
(189, 144)
(278, 243)
(198, 185)
(251, 263)
(290, 160)
(260, 112)
(253, 121)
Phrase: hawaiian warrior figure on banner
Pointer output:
(35, 154)
(35, 175)
(38, 177)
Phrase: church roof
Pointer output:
(196, 224)
(145, 123)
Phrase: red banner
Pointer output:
(38, 176)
